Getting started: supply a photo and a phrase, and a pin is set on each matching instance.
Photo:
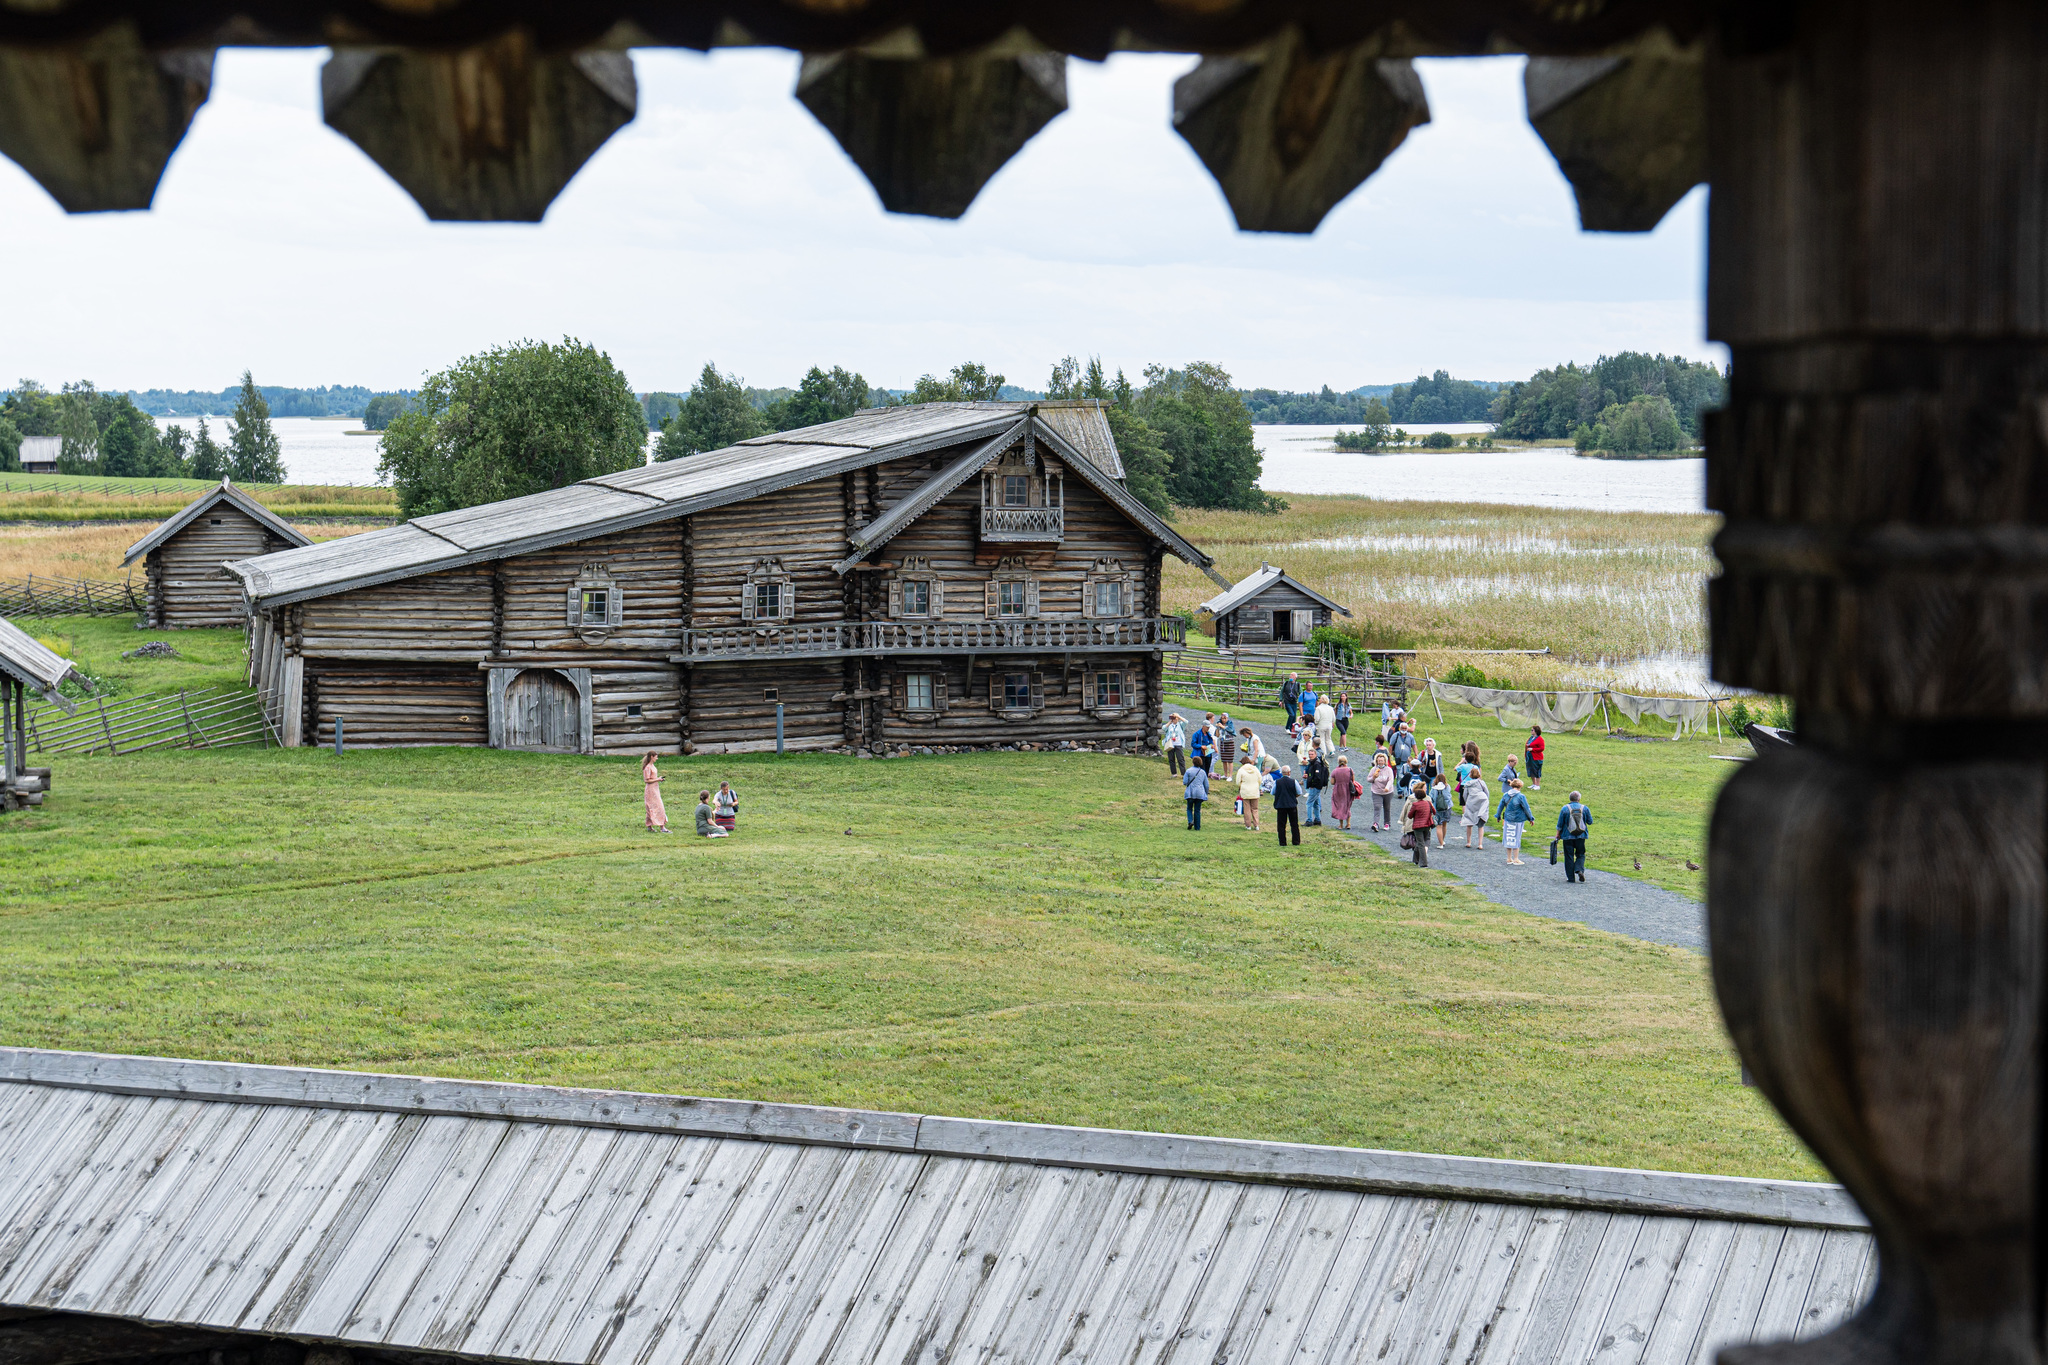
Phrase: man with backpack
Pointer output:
(1573, 822)
(1315, 781)
(1290, 697)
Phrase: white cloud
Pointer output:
(724, 223)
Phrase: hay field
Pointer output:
(105, 500)
(1587, 585)
(94, 549)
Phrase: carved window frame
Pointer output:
(590, 627)
(899, 690)
(1010, 569)
(768, 572)
(916, 569)
(999, 678)
(1093, 684)
(1107, 570)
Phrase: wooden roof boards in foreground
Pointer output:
(532, 1223)
(33, 664)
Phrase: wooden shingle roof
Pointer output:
(227, 494)
(514, 1222)
(33, 664)
(635, 497)
(1252, 584)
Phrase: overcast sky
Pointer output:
(725, 224)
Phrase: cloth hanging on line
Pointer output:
(1563, 710)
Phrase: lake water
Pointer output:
(315, 449)
(1303, 460)
(1297, 460)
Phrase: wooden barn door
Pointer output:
(542, 712)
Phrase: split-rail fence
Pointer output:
(203, 718)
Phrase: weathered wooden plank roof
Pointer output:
(533, 1223)
(211, 498)
(1252, 584)
(650, 493)
(1084, 423)
(34, 664)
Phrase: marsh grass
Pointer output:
(498, 915)
(104, 500)
(1588, 585)
(95, 550)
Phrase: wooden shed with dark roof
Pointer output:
(184, 556)
(25, 663)
(1269, 609)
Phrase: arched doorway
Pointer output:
(543, 713)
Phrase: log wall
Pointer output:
(389, 705)
(1060, 692)
(803, 527)
(185, 587)
(436, 618)
(1251, 623)
(730, 711)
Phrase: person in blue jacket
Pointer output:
(1513, 814)
(1573, 823)
(1194, 782)
(1202, 748)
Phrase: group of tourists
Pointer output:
(718, 813)
(1408, 785)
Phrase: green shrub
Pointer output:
(1439, 440)
(1739, 715)
(1465, 675)
(1328, 642)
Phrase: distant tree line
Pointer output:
(108, 435)
(332, 400)
(1556, 404)
(1430, 399)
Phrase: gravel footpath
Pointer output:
(1619, 905)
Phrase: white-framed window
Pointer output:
(917, 597)
(917, 692)
(1108, 592)
(1016, 490)
(1012, 589)
(1109, 691)
(915, 590)
(769, 593)
(1016, 691)
(596, 603)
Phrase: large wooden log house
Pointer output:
(941, 575)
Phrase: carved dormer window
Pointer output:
(769, 595)
(1110, 591)
(1019, 478)
(1012, 590)
(597, 604)
(916, 591)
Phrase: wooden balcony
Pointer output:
(1023, 524)
(869, 638)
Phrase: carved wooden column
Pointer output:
(1879, 265)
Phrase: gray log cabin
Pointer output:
(1269, 610)
(959, 574)
(183, 556)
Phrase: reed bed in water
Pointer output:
(93, 549)
(1440, 575)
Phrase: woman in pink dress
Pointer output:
(657, 814)
(1341, 778)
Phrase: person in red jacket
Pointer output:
(1420, 816)
(1533, 752)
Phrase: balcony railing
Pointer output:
(932, 637)
(1023, 523)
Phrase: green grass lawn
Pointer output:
(209, 658)
(1026, 936)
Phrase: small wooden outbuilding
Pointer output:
(39, 454)
(1269, 610)
(25, 663)
(185, 584)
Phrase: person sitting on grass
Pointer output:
(1514, 813)
(727, 816)
(704, 825)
